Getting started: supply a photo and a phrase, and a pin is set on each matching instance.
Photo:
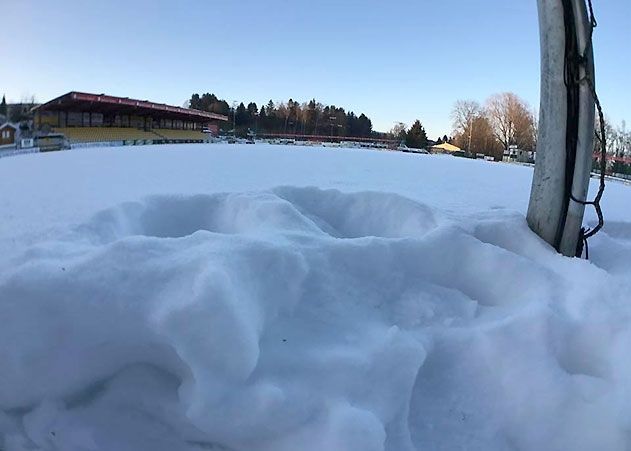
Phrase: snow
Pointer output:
(234, 297)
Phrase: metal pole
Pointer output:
(585, 137)
(234, 118)
(470, 131)
(550, 214)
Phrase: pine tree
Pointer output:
(253, 109)
(242, 115)
(3, 107)
(195, 102)
(365, 125)
(252, 112)
(416, 137)
(263, 118)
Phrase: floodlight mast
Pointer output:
(566, 125)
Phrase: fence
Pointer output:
(11, 152)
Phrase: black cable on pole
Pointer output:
(587, 233)
(570, 77)
(574, 61)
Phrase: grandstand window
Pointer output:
(97, 119)
(74, 119)
(135, 121)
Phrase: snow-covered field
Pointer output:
(231, 297)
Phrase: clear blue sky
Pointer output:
(394, 60)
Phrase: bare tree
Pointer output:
(511, 120)
(500, 109)
(477, 137)
(525, 128)
(463, 113)
(21, 111)
(399, 130)
(535, 127)
(317, 111)
(618, 140)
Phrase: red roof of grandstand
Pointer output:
(81, 101)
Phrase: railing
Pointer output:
(11, 152)
(96, 144)
(325, 138)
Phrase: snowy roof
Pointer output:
(105, 103)
(448, 147)
(9, 124)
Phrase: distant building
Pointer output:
(8, 132)
(89, 118)
(444, 148)
(513, 153)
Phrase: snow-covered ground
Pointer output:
(274, 298)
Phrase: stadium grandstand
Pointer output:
(92, 118)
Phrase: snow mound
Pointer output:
(299, 318)
(284, 209)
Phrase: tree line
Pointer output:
(415, 137)
(488, 128)
(307, 118)
(491, 128)
(504, 120)
(618, 145)
(19, 112)
(291, 117)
